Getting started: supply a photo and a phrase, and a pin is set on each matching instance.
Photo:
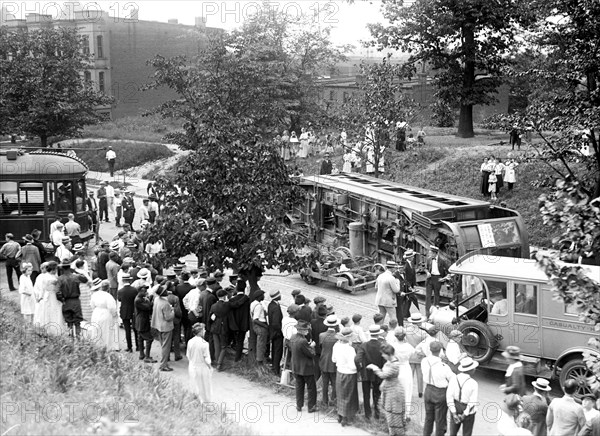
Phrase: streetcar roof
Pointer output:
(394, 193)
(510, 268)
(43, 165)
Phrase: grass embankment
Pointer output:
(451, 165)
(263, 375)
(51, 386)
(150, 129)
(129, 154)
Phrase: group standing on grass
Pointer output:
(495, 174)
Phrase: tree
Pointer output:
(466, 42)
(228, 198)
(43, 91)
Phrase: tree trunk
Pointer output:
(465, 120)
(44, 140)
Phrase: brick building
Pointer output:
(120, 48)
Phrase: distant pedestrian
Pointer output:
(199, 368)
(111, 157)
(515, 138)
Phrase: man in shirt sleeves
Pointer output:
(436, 375)
(436, 269)
(111, 157)
(461, 398)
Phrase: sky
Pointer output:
(348, 21)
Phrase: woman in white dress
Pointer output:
(49, 316)
(403, 352)
(304, 146)
(85, 290)
(200, 369)
(294, 144)
(26, 291)
(510, 174)
(105, 320)
(348, 159)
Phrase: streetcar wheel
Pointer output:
(478, 340)
(308, 278)
(350, 279)
(578, 371)
(344, 252)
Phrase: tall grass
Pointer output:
(151, 128)
(129, 154)
(52, 386)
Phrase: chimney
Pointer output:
(200, 22)
(173, 21)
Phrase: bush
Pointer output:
(442, 114)
(129, 154)
(52, 386)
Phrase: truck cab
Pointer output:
(502, 301)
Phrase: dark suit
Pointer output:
(207, 299)
(240, 315)
(367, 353)
(143, 314)
(328, 369)
(433, 284)
(275, 316)
(317, 327)
(219, 329)
(536, 408)
(181, 290)
(303, 367)
(126, 295)
(407, 284)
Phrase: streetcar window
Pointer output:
(51, 199)
(79, 191)
(471, 238)
(31, 198)
(10, 199)
(64, 195)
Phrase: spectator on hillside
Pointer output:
(111, 157)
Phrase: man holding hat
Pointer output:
(69, 292)
(303, 367)
(536, 406)
(126, 295)
(436, 269)
(327, 340)
(240, 314)
(437, 376)
(275, 317)
(370, 353)
(387, 286)
(461, 398)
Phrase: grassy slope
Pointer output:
(150, 129)
(451, 165)
(71, 389)
(129, 154)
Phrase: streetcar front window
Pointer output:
(31, 198)
(10, 198)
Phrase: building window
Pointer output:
(331, 95)
(87, 76)
(100, 50)
(85, 44)
(101, 81)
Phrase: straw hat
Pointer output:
(331, 321)
(409, 254)
(467, 364)
(542, 384)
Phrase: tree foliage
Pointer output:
(43, 92)
(466, 42)
(227, 200)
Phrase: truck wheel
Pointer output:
(478, 340)
(577, 370)
(308, 278)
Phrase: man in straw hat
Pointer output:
(343, 355)
(461, 397)
(387, 286)
(414, 336)
(327, 340)
(370, 353)
(407, 286)
(162, 320)
(436, 269)
(303, 367)
(536, 406)
(437, 376)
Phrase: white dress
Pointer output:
(48, 314)
(85, 296)
(348, 159)
(403, 352)
(199, 368)
(304, 146)
(104, 328)
(509, 172)
(27, 295)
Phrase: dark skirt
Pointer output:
(485, 175)
(72, 311)
(347, 394)
(499, 183)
